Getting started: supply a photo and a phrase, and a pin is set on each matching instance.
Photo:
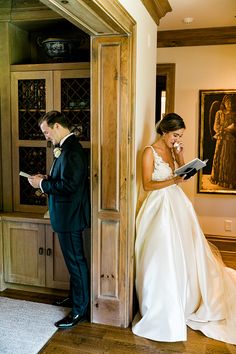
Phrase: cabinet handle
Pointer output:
(40, 250)
(49, 251)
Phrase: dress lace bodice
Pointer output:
(162, 169)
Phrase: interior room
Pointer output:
(114, 68)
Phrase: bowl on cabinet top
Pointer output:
(57, 47)
(60, 48)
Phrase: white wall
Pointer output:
(145, 77)
(202, 67)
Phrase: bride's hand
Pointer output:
(179, 153)
(178, 147)
(179, 179)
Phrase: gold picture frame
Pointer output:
(217, 141)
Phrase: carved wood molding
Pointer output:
(112, 12)
(95, 17)
(196, 37)
(157, 8)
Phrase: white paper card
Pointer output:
(23, 174)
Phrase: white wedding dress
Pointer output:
(179, 279)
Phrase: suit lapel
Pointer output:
(70, 140)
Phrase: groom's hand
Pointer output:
(36, 180)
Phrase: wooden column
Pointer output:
(110, 146)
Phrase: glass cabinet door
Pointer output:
(72, 97)
(33, 94)
(32, 97)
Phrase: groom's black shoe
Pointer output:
(66, 302)
(70, 321)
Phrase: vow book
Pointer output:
(190, 168)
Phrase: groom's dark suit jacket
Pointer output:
(68, 190)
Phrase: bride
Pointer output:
(180, 280)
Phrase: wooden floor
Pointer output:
(88, 338)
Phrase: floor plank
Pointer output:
(99, 339)
(89, 338)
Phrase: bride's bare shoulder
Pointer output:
(147, 150)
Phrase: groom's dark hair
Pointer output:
(53, 117)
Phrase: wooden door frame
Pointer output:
(112, 268)
(168, 70)
(119, 22)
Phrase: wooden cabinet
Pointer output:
(32, 251)
(32, 255)
(35, 90)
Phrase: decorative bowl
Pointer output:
(57, 48)
(61, 48)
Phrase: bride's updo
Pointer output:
(169, 123)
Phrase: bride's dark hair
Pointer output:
(169, 123)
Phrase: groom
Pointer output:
(69, 208)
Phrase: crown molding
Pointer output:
(157, 8)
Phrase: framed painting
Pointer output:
(217, 141)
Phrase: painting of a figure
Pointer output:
(217, 141)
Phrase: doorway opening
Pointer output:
(165, 90)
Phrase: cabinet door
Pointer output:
(32, 97)
(72, 98)
(57, 275)
(24, 253)
(33, 94)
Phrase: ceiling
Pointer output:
(205, 13)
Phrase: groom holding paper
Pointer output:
(69, 208)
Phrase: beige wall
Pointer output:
(145, 78)
(203, 67)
